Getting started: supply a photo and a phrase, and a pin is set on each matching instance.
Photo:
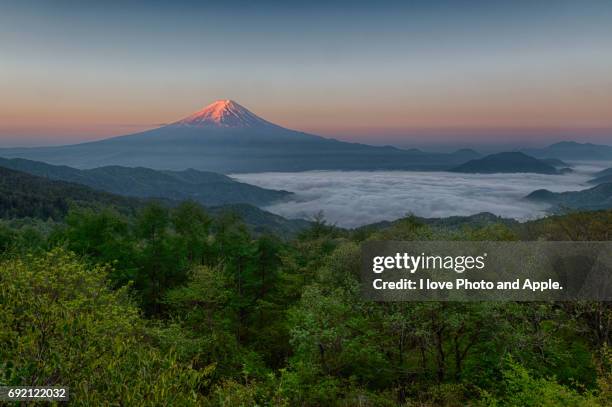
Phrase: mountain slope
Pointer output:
(24, 195)
(28, 196)
(479, 220)
(602, 177)
(225, 114)
(555, 162)
(511, 162)
(225, 137)
(571, 150)
(604, 173)
(599, 197)
(207, 188)
(601, 180)
(261, 221)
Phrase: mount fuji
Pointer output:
(228, 138)
(225, 114)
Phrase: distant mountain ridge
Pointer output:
(601, 180)
(478, 220)
(510, 162)
(602, 177)
(571, 150)
(207, 188)
(555, 162)
(603, 173)
(227, 138)
(598, 197)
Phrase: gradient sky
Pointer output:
(411, 73)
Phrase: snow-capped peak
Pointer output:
(225, 114)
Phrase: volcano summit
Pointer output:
(224, 114)
(228, 138)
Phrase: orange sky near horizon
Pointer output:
(72, 121)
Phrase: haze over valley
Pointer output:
(356, 198)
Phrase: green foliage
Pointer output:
(521, 389)
(103, 236)
(61, 325)
(8, 238)
(18, 237)
(241, 319)
(192, 224)
(204, 320)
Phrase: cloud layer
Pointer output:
(356, 198)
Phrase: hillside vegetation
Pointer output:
(26, 196)
(207, 188)
(172, 306)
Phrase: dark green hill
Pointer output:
(23, 195)
(27, 196)
(599, 197)
(207, 188)
(477, 220)
(511, 162)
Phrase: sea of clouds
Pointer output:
(355, 198)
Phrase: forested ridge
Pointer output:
(169, 305)
(207, 188)
(23, 195)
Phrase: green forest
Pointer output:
(170, 305)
